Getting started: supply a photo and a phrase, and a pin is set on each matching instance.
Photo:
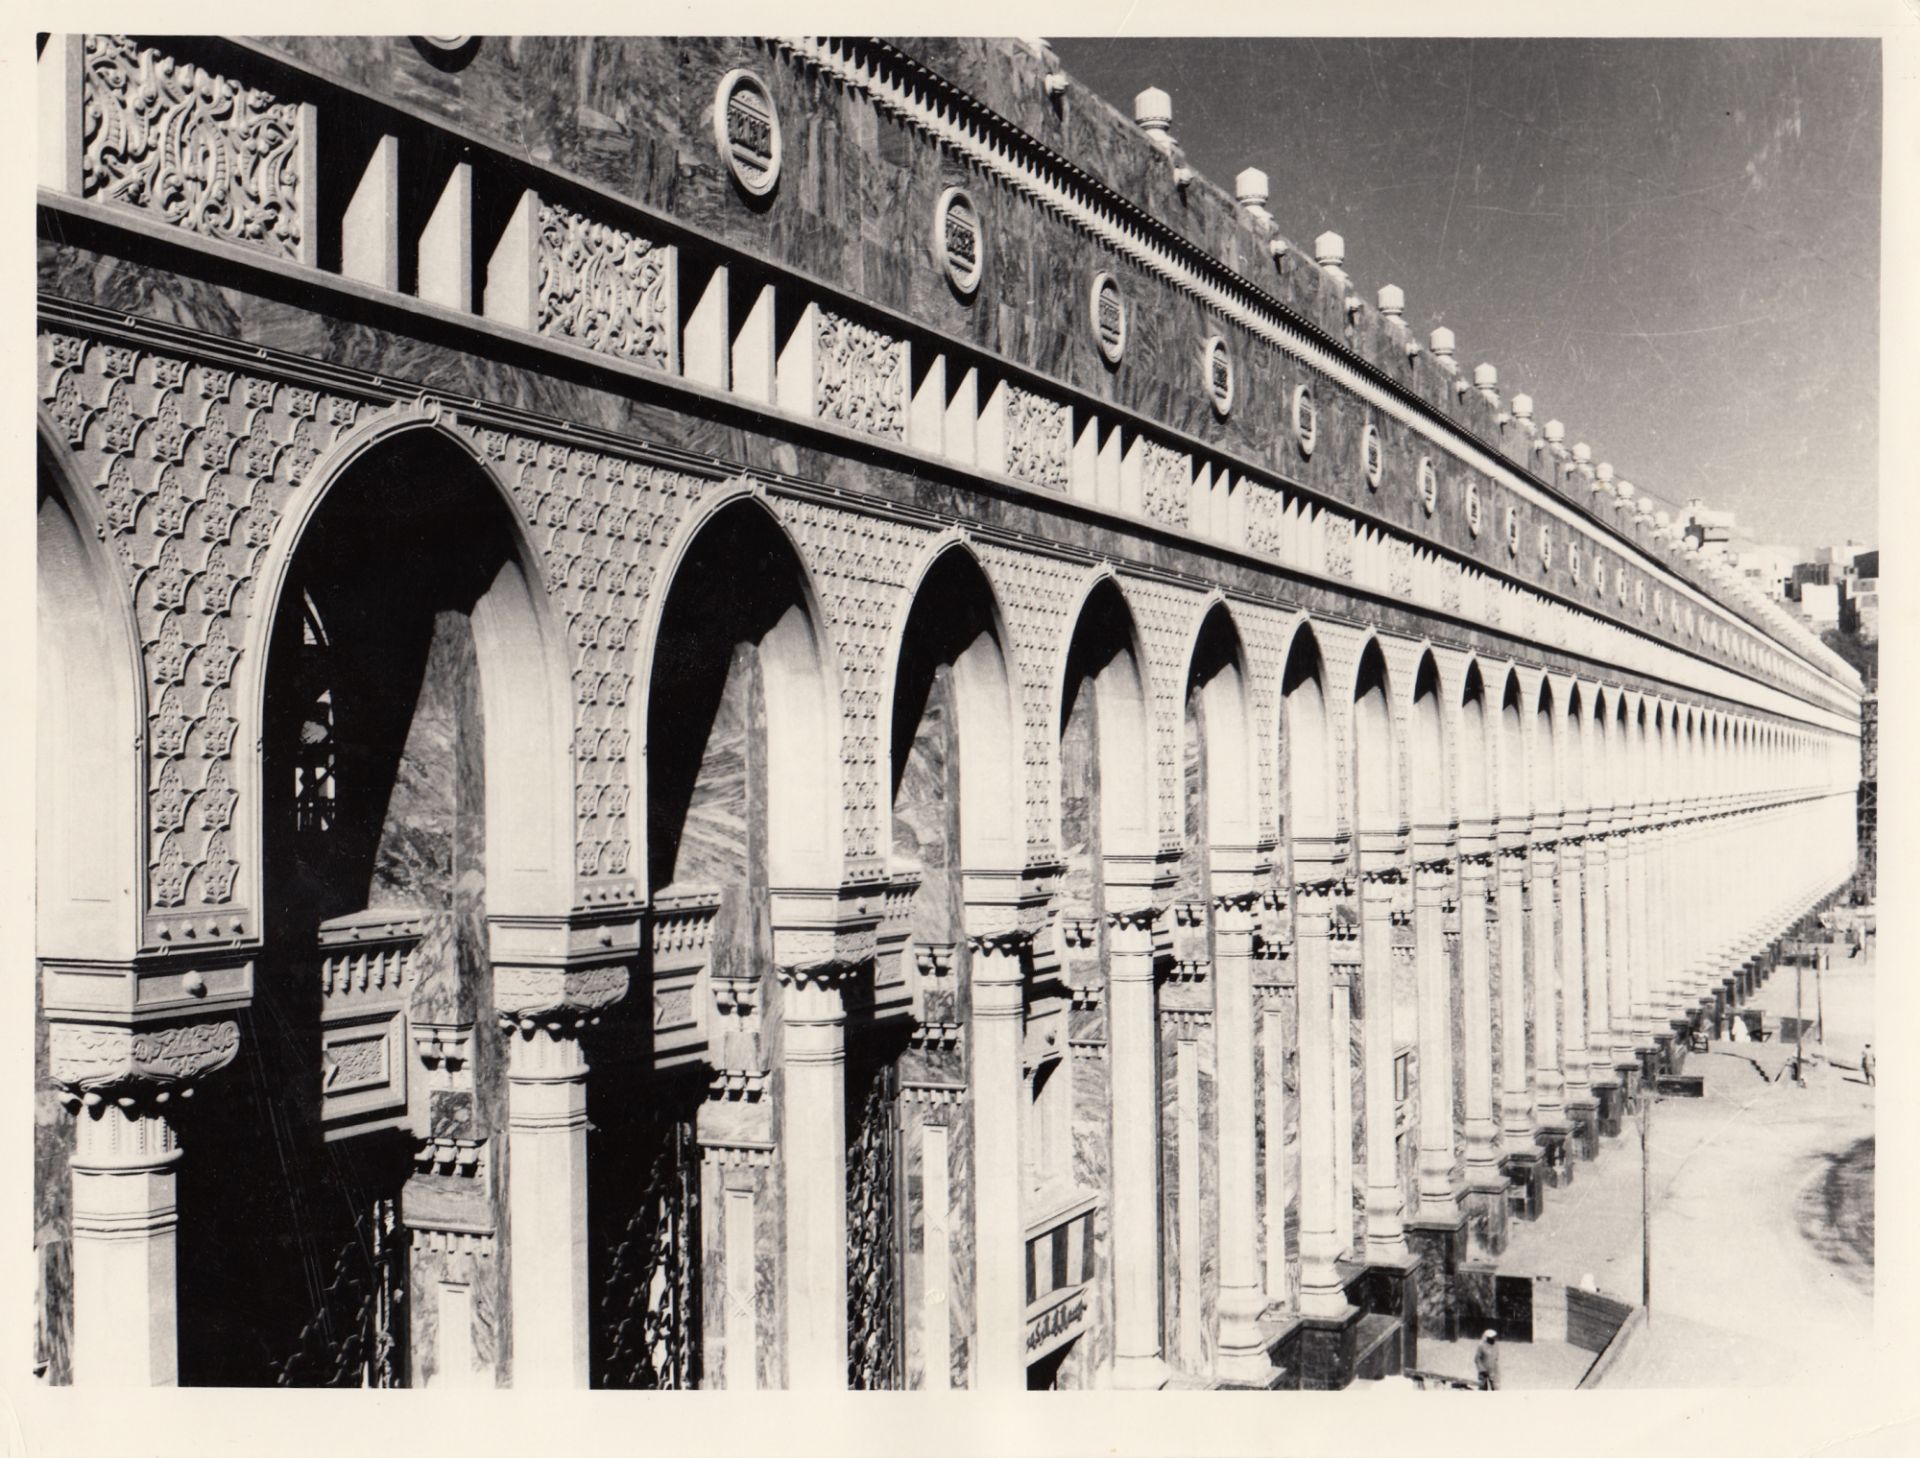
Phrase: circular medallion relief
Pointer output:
(1429, 485)
(1109, 313)
(1216, 373)
(1306, 419)
(958, 240)
(1372, 458)
(746, 128)
(1473, 507)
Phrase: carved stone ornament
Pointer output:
(1640, 595)
(604, 288)
(1372, 458)
(528, 995)
(1599, 573)
(1429, 485)
(1108, 311)
(1513, 532)
(1306, 419)
(1546, 548)
(1216, 373)
(746, 128)
(198, 150)
(91, 1057)
(958, 240)
(1473, 507)
(1573, 560)
(1039, 439)
(860, 377)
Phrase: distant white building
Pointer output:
(1820, 603)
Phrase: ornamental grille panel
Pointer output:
(356, 1336)
(646, 1317)
(874, 1317)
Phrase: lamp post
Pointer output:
(1646, 1204)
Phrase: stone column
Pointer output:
(1476, 1038)
(813, 1156)
(1386, 1239)
(1438, 1198)
(1573, 989)
(1544, 965)
(543, 1011)
(1516, 1106)
(121, 1083)
(998, 982)
(1322, 1293)
(1619, 1010)
(1640, 947)
(1243, 1351)
(1138, 1355)
(1595, 922)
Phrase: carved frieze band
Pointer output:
(202, 151)
(604, 288)
(860, 377)
(1039, 439)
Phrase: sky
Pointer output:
(1672, 245)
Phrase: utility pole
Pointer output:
(1799, 1024)
(1820, 1001)
(1646, 1205)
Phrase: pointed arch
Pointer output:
(952, 620)
(1476, 748)
(1375, 751)
(1102, 654)
(772, 612)
(441, 481)
(1217, 677)
(1431, 796)
(1544, 786)
(1309, 804)
(1512, 756)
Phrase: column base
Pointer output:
(1487, 1217)
(1386, 1293)
(1526, 1175)
(1555, 1157)
(1318, 1353)
(1583, 1135)
(1440, 1246)
(1141, 1374)
(1610, 1103)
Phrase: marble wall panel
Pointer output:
(1092, 1171)
(53, 1141)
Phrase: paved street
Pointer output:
(1763, 1213)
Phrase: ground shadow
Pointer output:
(1835, 1212)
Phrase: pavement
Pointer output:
(1762, 1227)
(1524, 1366)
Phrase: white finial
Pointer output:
(1392, 300)
(1523, 409)
(1330, 250)
(1250, 188)
(1441, 343)
(1604, 471)
(1153, 110)
(1581, 455)
(1485, 376)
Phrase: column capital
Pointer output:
(821, 933)
(139, 1068)
(555, 1000)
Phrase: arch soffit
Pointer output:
(957, 542)
(102, 566)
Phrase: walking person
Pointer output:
(1486, 1362)
(1866, 1063)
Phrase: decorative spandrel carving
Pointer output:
(601, 522)
(1265, 631)
(1036, 595)
(859, 566)
(1039, 439)
(1164, 616)
(604, 288)
(199, 150)
(860, 377)
(193, 467)
(1166, 484)
(89, 1056)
